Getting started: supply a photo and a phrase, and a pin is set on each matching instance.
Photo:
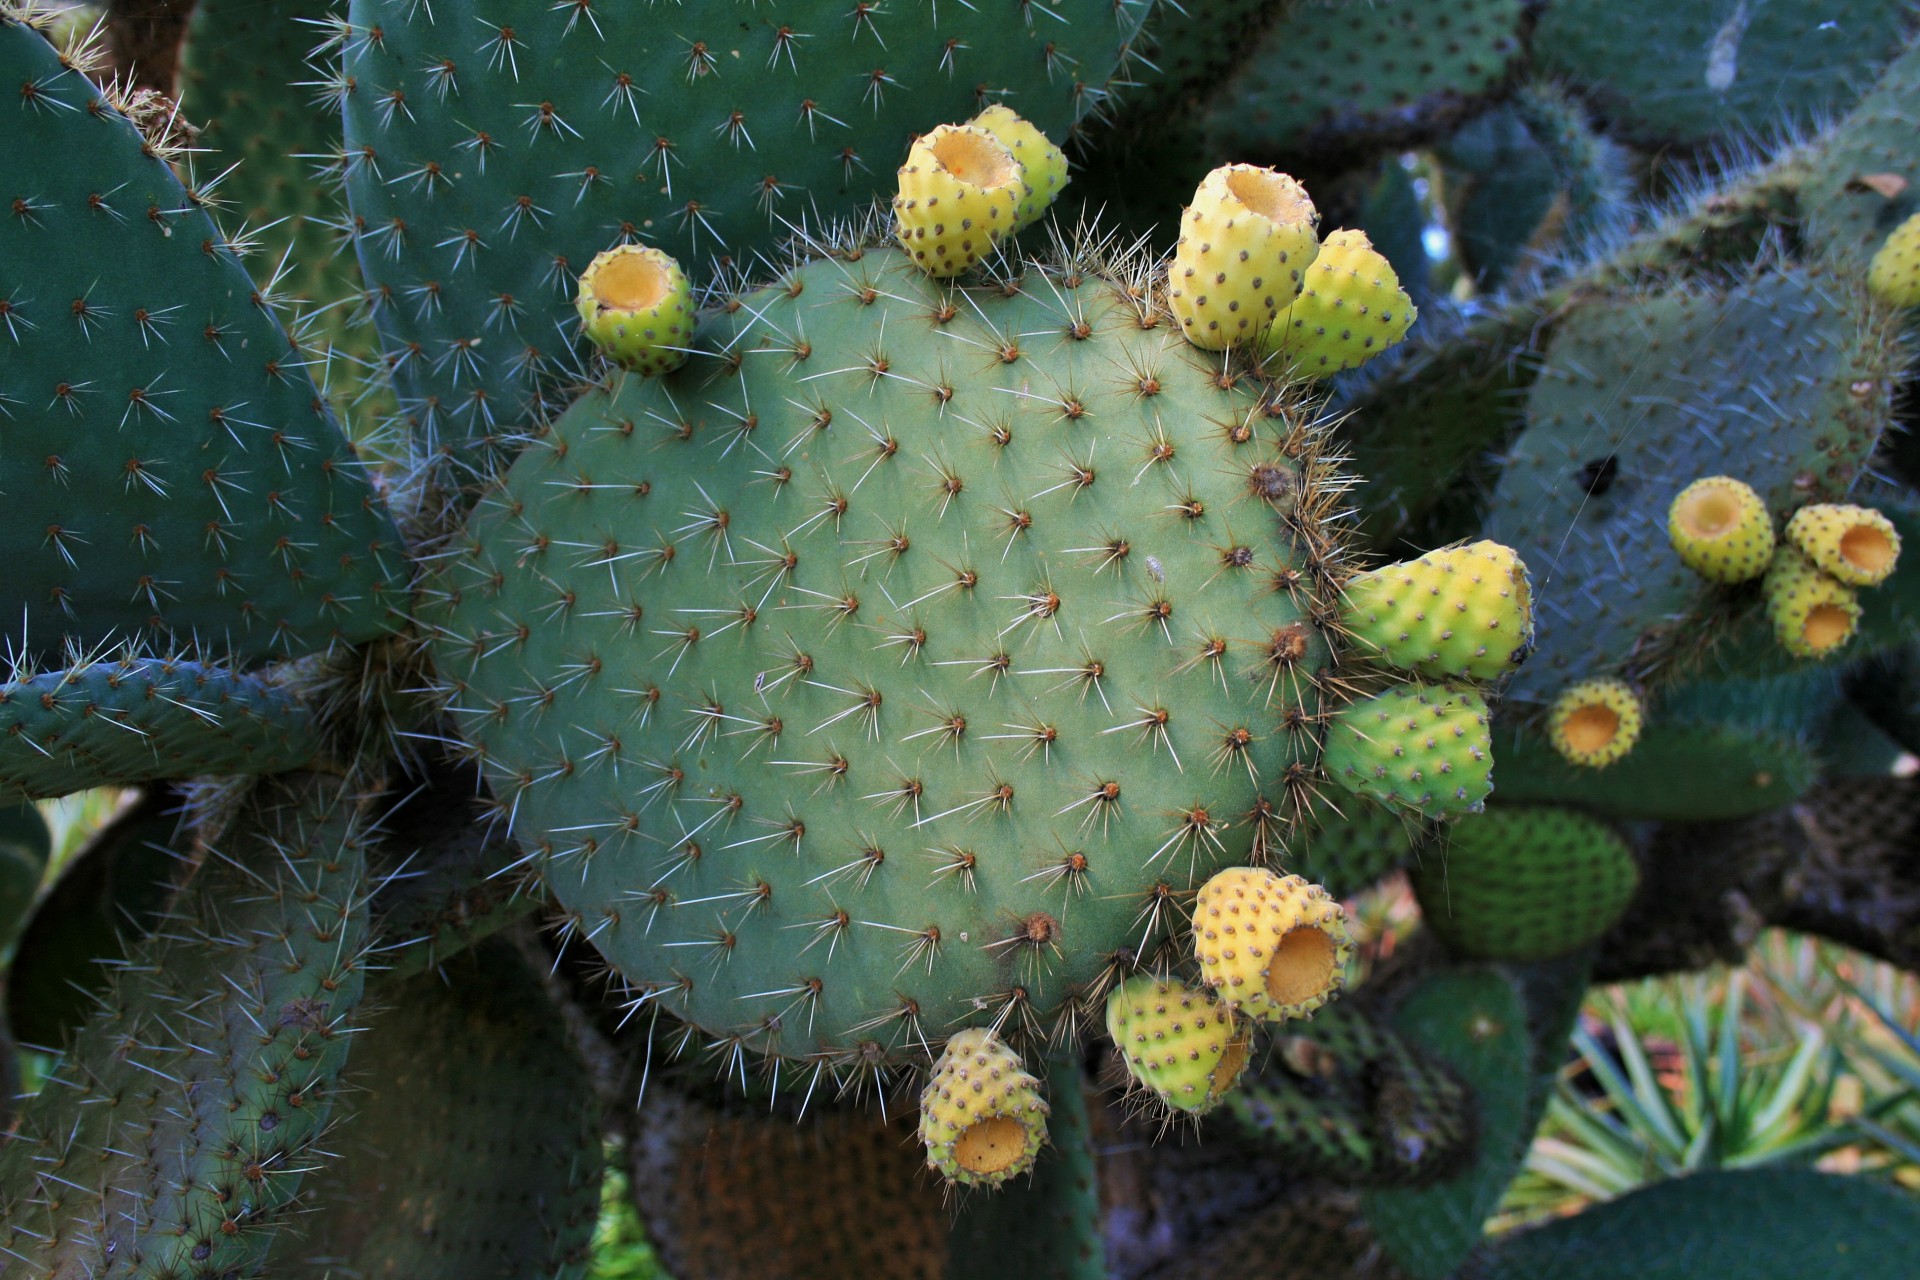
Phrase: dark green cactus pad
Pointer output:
(470, 1144)
(116, 722)
(24, 844)
(1845, 216)
(1185, 52)
(1474, 1022)
(170, 468)
(1349, 848)
(1782, 382)
(1500, 185)
(179, 1124)
(895, 660)
(1666, 74)
(492, 151)
(1748, 1224)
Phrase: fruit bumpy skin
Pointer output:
(1721, 529)
(1595, 722)
(1422, 748)
(982, 1118)
(1351, 308)
(1180, 1042)
(1894, 273)
(1043, 166)
(1857, 545)
(1273, 947)
(965, 628)
(960, 192)
(1812, 614)
(1464, 612)
(1245, 242)
(636, 306)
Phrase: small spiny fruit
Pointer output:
(1043, 166)
(1460, 611)
(1812, 614)
(959, 194)
(1179, 1041)
(1245, 242)
(1595, 722)
(1420, 747)
(636, 305)
(1894, 274)
(982, 1118)
(1857, 545)
(1721, 529)
(1273, 946)
(1351, 309)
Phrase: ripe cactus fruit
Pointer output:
(1595, 722)
(1351, 308)
(960, 192)
(1273, 947)
(1525, 883)
(1419, 747)
(1812, 614)
(1245, 242)
(982, 1117)
(1460, 611)
(1043, 166)
(1721, 529)
(1857, 545)
(636, 305)
(1179, 1041)
(1894, 274)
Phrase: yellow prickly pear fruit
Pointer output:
(1179, 1041)
(636, 306)
(1245, 241)
(1595, 722)
(1721, 529)
(1857, 545)
(1350, 309)
(1894, 274)
(1812, 614)
(1272, 946)
(1460, 611)
(959, 191)
(982, 1119)
(1043, 166)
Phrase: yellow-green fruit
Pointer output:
(636, 306)
(1460, 611)
(1043, 166)
(1812, 614)
(1272, 946)
(982, 1119)
(959, 191)
(1245, 242)
(1894, 275)
(1179, 1041)
(1595, 722)
(1350, 309)
(1721, 529)
(1857, 545)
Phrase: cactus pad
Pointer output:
(1465, 612)
(982, 1118)
(1273, 947)
(1246, 240)
(1721, 529)
(1351, 308)
(1857, 545)
(1180, 1042)
(1422, 748)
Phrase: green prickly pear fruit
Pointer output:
(1043, 166)
(982, 1116)
(1894, 274)
(1274, 947)
(636, 305)
(1812, 614)
(1351, 308)
(1721, 529)
(1857, 545)
(1245, 242)
(1418, 747)
(1461, 611)
(1525, 883)
(1595, 722)
(960, 193)
(1179, 1041)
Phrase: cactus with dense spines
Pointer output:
(1420, 748)
(1460, 612)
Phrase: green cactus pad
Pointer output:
(198, 1094)
(170, 467)
(471, 1143)
(909, 647)
(115, 722)
(1420, 748)
(24, 844)
(1349, 848)
(1525, 883)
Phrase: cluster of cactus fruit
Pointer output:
(778, 563)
